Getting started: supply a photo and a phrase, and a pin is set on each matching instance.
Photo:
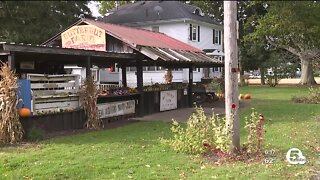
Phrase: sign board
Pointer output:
(116, 108)
(168, 100)
(84, 37)
(27, 65)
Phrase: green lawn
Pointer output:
(134, 151)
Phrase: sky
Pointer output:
(94, 9)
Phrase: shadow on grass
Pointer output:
(134, 133)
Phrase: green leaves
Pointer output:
(107, 6)
(289, 22)
(36, 21)
(200, 132)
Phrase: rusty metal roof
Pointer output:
(142, 37)
(154, 45)
(168, 55)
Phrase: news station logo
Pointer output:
(295, 156)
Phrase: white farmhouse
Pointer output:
(181, 21)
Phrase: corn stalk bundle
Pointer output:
(88, 98)
(11, 130)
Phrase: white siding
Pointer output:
(180, 31)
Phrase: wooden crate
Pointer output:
(54, 93)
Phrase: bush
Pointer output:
(199, 131)
(35, 134)
(203, 134)
(313, 97)
(217, 84)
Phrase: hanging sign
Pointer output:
(84, 37)
(168, 100)
(116, 108)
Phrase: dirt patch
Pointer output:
(214, 158)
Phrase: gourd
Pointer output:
(247, 96)
(24, 112)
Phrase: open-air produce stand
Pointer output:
(52, 94)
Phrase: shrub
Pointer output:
(203, 134)
(217, 84)
(199, 132)
(35, 134)
(313, 97)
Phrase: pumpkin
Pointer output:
(24, 112)
(247, 96)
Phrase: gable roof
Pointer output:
(142, 37)
(155, 45)
(147, 11)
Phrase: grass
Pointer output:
(134, 151)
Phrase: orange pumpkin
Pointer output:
(24, 112)
(247, 96)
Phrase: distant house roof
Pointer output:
(148, 11)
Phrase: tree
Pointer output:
(247, 13)
(254, 56)
(36, 21)
(106, 6)
(295, 27)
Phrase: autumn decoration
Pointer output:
(11, 130)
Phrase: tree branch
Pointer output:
(291, 49)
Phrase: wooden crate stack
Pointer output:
(54, 93)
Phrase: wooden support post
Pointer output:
(231, 73)
(140, 87)
(88, 67)
(190, 86)
(124, 76)
(11, 61)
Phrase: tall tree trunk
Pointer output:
(307, 77)
(262, 73)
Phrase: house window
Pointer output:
(194, 32)
(155, 28)
(216, 37)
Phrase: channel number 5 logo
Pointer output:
(294, 156)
